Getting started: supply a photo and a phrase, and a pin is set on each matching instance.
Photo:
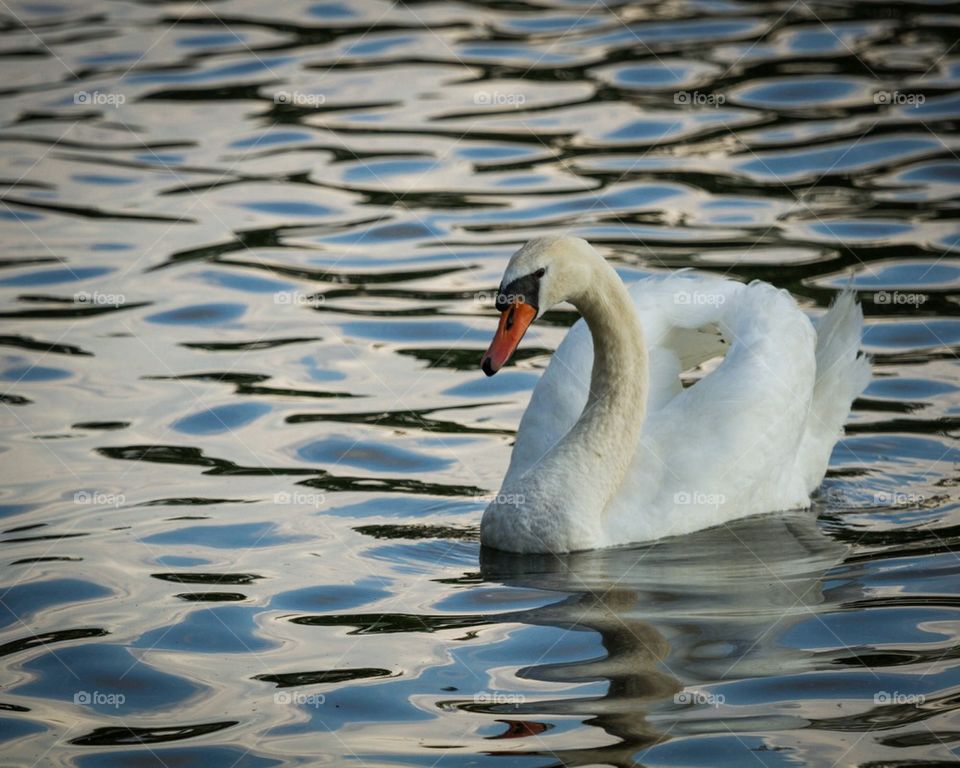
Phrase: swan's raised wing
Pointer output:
(731, 444)
(680, 314)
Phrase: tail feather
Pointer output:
(843, 372)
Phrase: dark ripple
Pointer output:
(212, 597)
(392, 622)
(122, 735)
(238, 579)
(294, 679)
(48, 638)
(182, 757)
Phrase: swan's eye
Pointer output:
(540, 272)
(510, 318)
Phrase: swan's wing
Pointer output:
(679, 315)
(729, 445)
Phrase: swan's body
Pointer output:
(613, 450)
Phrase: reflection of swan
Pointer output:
(682, 614)
(617, 451)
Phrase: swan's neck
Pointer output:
(607, 431)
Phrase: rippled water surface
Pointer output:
(247, 255)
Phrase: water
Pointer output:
(248, 255)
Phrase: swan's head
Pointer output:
(542, 274)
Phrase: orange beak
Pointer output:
(514, 321)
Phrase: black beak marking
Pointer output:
(526, 288)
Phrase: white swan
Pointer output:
(612, 449)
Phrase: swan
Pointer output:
(613, 449)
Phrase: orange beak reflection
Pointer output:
(514, 321)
